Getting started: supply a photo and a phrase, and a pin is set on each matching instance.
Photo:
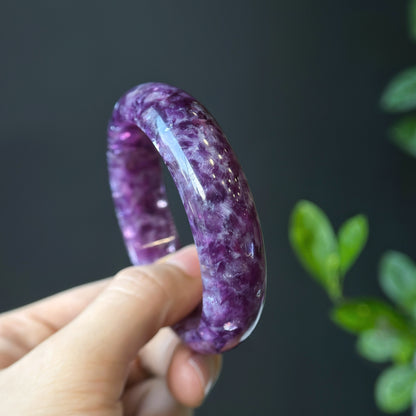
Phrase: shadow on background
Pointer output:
(295, 86)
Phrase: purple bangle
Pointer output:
(217, 201)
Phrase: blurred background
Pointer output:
(295, 86)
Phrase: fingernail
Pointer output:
(207, 368)
(185, 259)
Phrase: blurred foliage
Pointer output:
(394, 388)
(400, 97)
(385, 332)
(324, 255)
(403, 134)
(386, 344)
(352, 237)
(400, 94)
(360, 315)
(312, 235)
(398, 280)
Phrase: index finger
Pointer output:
(135, 305)
(24, 328)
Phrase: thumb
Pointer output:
(136, 304)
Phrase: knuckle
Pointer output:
(144, 282)
(12, 328)
(13, 343)
(6, 329)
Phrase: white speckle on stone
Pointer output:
(230, 326)
(162, 203)
(171, 248)
(128, 232)
(251, 250)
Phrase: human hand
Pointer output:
(105, 349)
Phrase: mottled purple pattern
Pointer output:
(216, 198)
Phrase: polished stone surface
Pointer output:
(217, 201)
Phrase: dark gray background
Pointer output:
(294, 84)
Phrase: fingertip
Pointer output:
(191, 376)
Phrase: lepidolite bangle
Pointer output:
(157, 119)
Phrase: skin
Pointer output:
(106, 349)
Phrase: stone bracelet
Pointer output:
(157, 119)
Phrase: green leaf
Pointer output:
(360, 315)
(400, 94)
(314, 241)
(398, 280)
(412, 19)
(403, 134)
(352, 237)
(394, 388)
(383, 344)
